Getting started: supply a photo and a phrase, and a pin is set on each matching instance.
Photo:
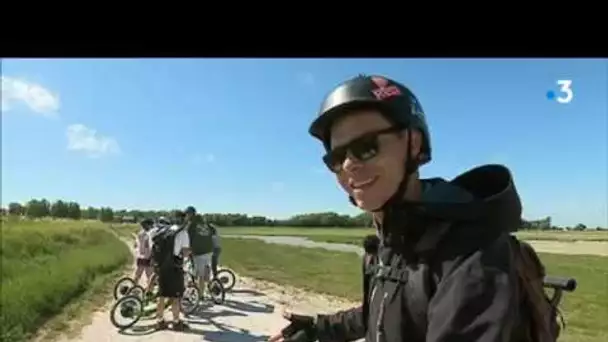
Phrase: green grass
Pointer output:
(347, 235)
(125, 230)
(48, 265)
(339, 274)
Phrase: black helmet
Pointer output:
(190, 210)
(146, 223)
(394, 100)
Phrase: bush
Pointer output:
(45, 265)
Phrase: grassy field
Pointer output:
(354, 235)
(338, 273)
(47, 266)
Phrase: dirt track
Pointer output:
(559, 247)
(252, 313)
(573, 248)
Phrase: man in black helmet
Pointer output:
(445, 269)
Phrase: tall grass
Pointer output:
(46, 265)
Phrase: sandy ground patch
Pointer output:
(576, 247)
(251, 313)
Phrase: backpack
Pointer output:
(540, 317)
(544, 317)
(162, 246)
(201, 240)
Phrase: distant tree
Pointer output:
(91, 213)
(580, 227)
(73, 211)
(15, 208)
(59, 209)
(37, 208)
(106, 215)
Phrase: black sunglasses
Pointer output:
(362, 148)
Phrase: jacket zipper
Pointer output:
(379, 328)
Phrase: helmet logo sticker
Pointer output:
(383, 90)
(380, 82)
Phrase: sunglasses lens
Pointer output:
(365, 149)
(334, 159)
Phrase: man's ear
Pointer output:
(415, 141)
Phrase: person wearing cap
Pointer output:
(445, 270)
(201, 245)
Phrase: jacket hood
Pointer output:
(484, 195)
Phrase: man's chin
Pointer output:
(367, 205)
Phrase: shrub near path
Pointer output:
(46, 265)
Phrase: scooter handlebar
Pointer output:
(560, 283)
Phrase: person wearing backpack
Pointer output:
(201, 243)
(169, 249)
(446, 267)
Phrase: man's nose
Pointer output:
(351, 164)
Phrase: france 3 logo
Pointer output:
(565, 93)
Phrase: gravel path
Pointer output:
(558, 247)
(251, 313)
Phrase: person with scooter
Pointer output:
(201, 243)
(170, 248)
(143, 251)
(446, 267)
(217, 248)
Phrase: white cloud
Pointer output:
(306, 78)
(88, 141)
(36, 97)
(198, 159)
(277, 186)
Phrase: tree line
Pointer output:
(41, 208)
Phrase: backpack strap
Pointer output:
(419, 286)
(391, 273)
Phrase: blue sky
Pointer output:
(231, 135)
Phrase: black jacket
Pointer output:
(448, 273)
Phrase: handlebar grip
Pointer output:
(560, 283)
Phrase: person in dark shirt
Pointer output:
(445, 268)
(371, 244)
